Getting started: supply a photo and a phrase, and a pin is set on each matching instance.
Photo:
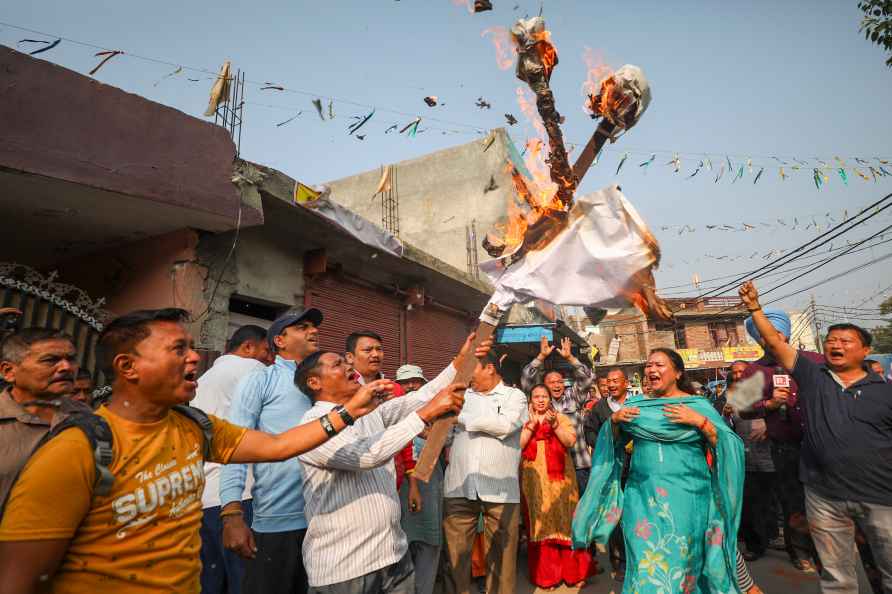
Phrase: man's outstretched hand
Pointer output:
(448, 400)
(480, 351)
(368, 397)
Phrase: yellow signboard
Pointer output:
(720, 357)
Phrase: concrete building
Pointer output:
(446, 200)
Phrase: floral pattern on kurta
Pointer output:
(679, 516)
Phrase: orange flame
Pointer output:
(597, 72)
(505, 50)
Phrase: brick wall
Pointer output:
(697, 335)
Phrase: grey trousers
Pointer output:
(426, 559)
(398, 578)
(832, 524)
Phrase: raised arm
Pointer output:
(263, 447)
(772, 340)
(348, 451)
(244, 410)
(532, 373)
(583, 377)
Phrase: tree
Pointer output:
(877, 24)
(882, 335)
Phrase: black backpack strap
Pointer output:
(200, 418)
(99, 435)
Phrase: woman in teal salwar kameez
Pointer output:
(681, 504)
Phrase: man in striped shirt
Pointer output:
(354, 543)
(482, 478)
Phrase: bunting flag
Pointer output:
(842, 174)
(720, 174)
(179, 70)
(48, 45)
(647, 163)
(758, 175)
(304, 194)
(621, 163)
(107, 55)
(697, 170)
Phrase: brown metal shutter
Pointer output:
(434, 336)
(351, 307)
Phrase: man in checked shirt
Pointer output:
(568, 401)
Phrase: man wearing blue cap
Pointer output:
(781, 408)
(268, 400)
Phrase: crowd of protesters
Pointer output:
(288, 468)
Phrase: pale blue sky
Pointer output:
(746, 79)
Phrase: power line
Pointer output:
(875, 295)
(832, 278)
(791, 257)
(825, 262)
(787, 271)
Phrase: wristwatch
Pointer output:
(326, 424)
(344, 414)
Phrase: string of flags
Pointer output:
(768, 255)
(822, 171)
(819, 222)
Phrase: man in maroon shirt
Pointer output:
(784, 420)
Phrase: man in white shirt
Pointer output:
(482, 477)
(246, 351)
(354, 543)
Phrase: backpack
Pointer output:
(99, 435)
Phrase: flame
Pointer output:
(547, 51)
(501, 40)
(469, 4)
(596, 71)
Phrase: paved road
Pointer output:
(773, 573)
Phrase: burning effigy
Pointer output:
(591, 251)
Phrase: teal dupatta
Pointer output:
(679, 516)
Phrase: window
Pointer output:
(681, 339)
(723, 334)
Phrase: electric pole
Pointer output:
(814, 317)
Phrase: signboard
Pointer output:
(719, 357)
(613, 351)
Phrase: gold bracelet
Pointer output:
(231, 512)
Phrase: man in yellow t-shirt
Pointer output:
(57, 534)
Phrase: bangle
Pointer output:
(345, 415)
(231, 512)
(754, 309)
(326, 424)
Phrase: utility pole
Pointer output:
(814, 317)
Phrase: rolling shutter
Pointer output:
(434, 336)
(350, 307)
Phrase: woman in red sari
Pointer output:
(548, 483)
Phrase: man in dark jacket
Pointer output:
(617, 391)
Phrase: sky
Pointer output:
(748, 80)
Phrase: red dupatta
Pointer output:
(555, 452)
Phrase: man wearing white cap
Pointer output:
(422, 504)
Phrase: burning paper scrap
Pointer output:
(745, 393)
(482, 5)
(482, 103)
(602, 255)
(510, 119)
(622, 98)
(220, 90)
(431, 100)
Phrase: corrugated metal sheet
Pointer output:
(351, 307)
(434, 336)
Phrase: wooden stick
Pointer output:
(439, 432)
(592, 149)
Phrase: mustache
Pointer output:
(64, 377)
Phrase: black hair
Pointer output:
(350, 346)
(306, 369)
(83, 374)
(248, 333)
(15, 347)
(123, 333)
(493, 358)
(619, 369)
(678, 364)
(543, 386)
(557, 371)
(866, 338)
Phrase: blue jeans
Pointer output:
(221, 570)
(832, 523)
